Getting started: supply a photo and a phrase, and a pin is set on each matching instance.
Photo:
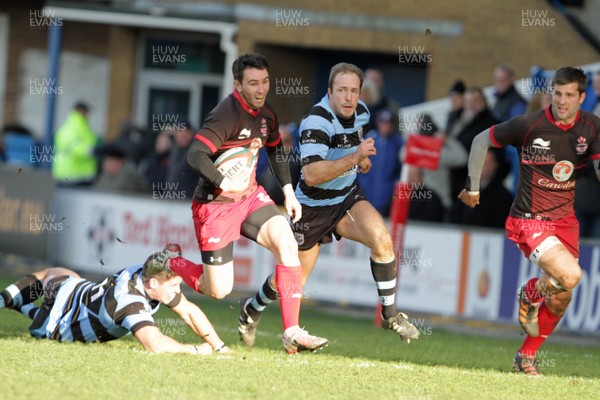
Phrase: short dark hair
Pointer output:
(345, 68)
(82, 106)
(566, 75)
(249, 60)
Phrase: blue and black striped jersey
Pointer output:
(323, 136)
(88, 311)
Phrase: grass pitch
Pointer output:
(361, 362)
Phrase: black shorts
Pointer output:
(317, 224)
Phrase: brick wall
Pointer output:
(121, 51)
(493, 33)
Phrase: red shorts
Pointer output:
(217, 225)
(528, 234)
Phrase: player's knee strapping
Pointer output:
(24, 291)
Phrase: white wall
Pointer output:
(81, 77)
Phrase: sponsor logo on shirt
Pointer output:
(307, 139)
(540, 143)
(581, 146)
(563, 170)
(549, 184)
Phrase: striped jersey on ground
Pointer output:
(88, 311)
(324, 136)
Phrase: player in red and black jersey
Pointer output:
(554, 146)
(224, 208)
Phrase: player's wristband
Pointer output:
(473, 193)
(196, 349)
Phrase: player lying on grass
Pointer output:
(75, 309)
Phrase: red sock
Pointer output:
(189, 271)
(531, 292)
(547, 321)
(289, 286)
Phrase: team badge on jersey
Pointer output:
(581, 145)
(263, 127)
(563, 170)
(299, 238)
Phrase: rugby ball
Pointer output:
(236, 163)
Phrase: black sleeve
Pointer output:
(279, 167)
(202, 165)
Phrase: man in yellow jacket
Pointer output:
(74, 143)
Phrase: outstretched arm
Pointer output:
(481, 143)
(155, 341)
(199, 323)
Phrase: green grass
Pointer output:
(361, 362)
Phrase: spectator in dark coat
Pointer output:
(378, 183)
(457, 101)
(493, 211)
(118, 174)
(425, 204)
(477, 118)
(509, 103)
